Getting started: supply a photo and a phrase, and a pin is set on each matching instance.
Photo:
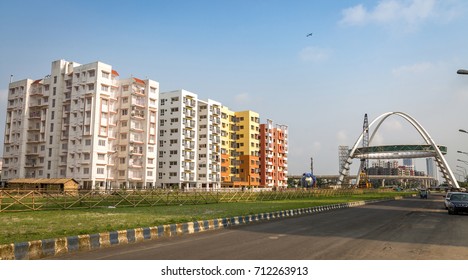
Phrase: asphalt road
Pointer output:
(408, 229)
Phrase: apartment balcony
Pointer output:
(32, 152)
(216, 111)
(138, 102)
(190, 103)
(189, 177)
(35, 115)
(190, 113)
(33, 128)
(36, 91)
(189, 134)
(135, 163)
(189, 146)
(138, 114)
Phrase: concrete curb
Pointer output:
(39, 249)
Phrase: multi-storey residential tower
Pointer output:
(248, 147)
(178, 140)
(229, 157)
(209, 144)
(273, 155)
(189, 152)
(77, 123)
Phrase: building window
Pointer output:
(55, 79)
(173, 174)
(149, 173)
(124, 112)
(91, 87)
(86, 170)
(102, 142)
(105, 75)
(91, 73)
(88, 142)
(101, 157)
(100, 170)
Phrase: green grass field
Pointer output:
(36, 225)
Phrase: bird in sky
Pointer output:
(310, 34)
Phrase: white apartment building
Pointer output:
(189, 153)
(177, 149)
(209, 144)
(81, 122)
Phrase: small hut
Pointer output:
(44, 184)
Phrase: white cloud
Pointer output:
(342, 137)
(314, 54)
(354, 15)
(242, 99)
(417, 68)
(316, 146)
(409, 13)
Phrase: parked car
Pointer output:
(447, 199)
(458, 203)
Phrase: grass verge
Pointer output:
(27, 226)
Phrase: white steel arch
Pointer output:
(441, 162)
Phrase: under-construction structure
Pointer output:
(363, 180)
(428, 150)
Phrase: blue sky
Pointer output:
(364, 57)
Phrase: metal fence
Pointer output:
(34, 200)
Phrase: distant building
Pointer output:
(430, 167)
(273, 155)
